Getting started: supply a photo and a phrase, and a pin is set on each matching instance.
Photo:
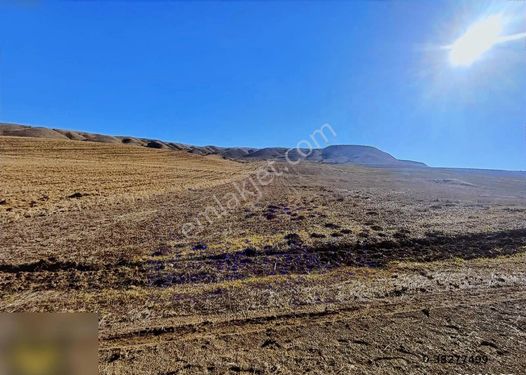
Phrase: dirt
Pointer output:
(330, 269)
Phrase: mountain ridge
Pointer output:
(333, 154)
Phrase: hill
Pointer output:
(337, 154)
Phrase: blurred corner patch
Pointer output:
(48, 344)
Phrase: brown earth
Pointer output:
(326, 269)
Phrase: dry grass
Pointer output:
(336, 269)
(41, 174)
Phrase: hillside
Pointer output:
(337, 154)
(333, 260)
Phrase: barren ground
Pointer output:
(327, 270)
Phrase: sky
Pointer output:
(270, 73)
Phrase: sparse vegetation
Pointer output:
(322, 274)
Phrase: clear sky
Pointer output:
(269, 73)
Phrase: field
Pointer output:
(196, 268)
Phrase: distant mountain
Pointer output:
(337, 154)
(364, 155)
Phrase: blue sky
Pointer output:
(269, 73)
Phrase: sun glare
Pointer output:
(478, 39)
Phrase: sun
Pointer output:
(477, 40)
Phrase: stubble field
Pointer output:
(323, 269)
